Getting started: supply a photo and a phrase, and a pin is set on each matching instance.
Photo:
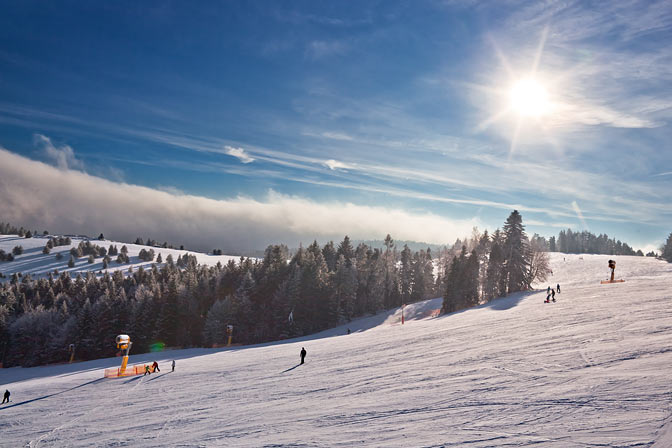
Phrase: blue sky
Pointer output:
(302, 120)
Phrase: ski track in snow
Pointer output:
(590, 370)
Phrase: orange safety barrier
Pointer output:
(130, 371)
(432, 313)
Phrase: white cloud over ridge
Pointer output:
(36, 194)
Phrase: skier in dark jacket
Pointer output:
(553, 294)
(558, 288)
(155, 367)
(173, 365)
(6, 399)
(303, 354)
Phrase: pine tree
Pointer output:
(344, 292)
(666, 250)
(470, 279)
(454, 292)
(330, 256)
(516, 253)
(169, 316)
(493, 276)
(71, 262)
(406, 274)
(345, 249)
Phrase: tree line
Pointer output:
(183, 304)
(585, 242)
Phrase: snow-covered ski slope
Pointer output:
(592, 370)
(37, 264)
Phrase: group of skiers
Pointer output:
(550, 293)
(155, 368)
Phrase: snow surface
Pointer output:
(34, 262)
(592, 370)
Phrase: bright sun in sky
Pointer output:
(529, 98)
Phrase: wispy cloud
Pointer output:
(579, 214)
(337, 136)
(239, 153)
(336, 165)
(62, 156)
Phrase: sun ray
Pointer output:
(483, 125)
(502, 58)
(540, 50)
(514, 138)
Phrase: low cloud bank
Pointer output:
(38, 195)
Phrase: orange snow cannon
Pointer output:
(612, 266)
(124, 343)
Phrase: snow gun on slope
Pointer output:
(612, 266)
(124, 343)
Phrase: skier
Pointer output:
(548, 290)
(548, 298)
(6, 399)
(558, 288)
(303, 354)
(155, 367)
(173, 366)
(553, 294)
(348, 331)
(147, 371)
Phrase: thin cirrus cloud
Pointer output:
(598, 84)
(72, 199)
(239, 153)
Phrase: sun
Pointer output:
(529, 98)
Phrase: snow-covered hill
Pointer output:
(591, 370)
(34, 262)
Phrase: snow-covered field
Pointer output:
(592, 370)
(34, 262)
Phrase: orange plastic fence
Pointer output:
(138, 369)
(433, 313)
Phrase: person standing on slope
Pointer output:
(147, 371)
(558, 288)
(6, 398)
(303, 354)
(173, 366)
(553, 294)
(155, 367)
